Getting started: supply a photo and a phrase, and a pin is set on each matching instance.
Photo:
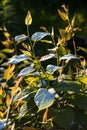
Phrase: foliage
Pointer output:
(37, 96)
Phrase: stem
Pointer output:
(57, 56)
(32, 48)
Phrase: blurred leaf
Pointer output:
(83, 49)
(23, 110)
(26, 71)
(66, 86)
(28, 19)
(44, 98)
(21, 37)
(64, 117)
(15, 89)
(1, 90)
(2, 55)
(8, 74)
(52, 33)
(1, 114)
(26, 52)
(18, 58)
(8, 100)
(73, 21)
(39, 35)
(81, 101)
(47, 41)
(28, 128)
(24, 94)
(83, 79)
(63, 15)
(69, 57)
(6, 33)
(7, 50)
(53, 49)
(46, 57)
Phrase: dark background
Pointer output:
(44, 13)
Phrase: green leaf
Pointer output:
(64, 117)
(44, 98)
(81, 101)
(83, 80)
(68, 86)
(39, 35)
(24, 94)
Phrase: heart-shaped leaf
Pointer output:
(18, 58)
(44, 98)
(38, 36)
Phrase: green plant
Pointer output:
(45, 97)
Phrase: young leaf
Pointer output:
(44, 98)
(63, 15)
(46, 57)
(39, 35)
(26, 71)
(28, 19)
(18, 58)
(21, 37)
(73, 21)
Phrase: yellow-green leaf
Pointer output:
(9, 72)
(63, 15)
(28, 19)
(73, 21)
(8, 100)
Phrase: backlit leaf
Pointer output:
(18, 58)
(83, 80)
(46, 57)
(21, 37)
(9, 72)
(8, 100)
(7, 50)
(1, 90)
(69, 57)
(26, 71)
(52, 68)
(28, 19)
(44, 98)
(63, 15)
(39, 35)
